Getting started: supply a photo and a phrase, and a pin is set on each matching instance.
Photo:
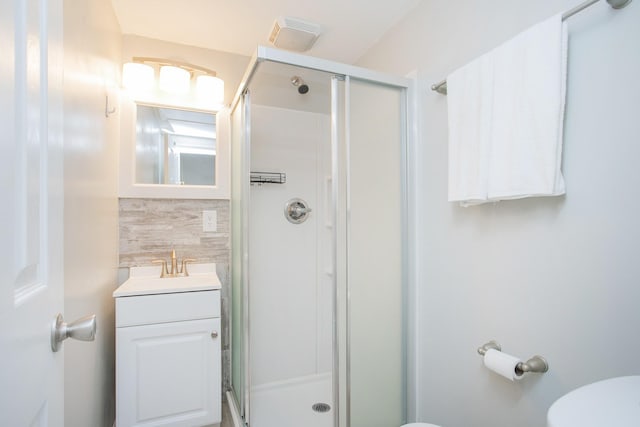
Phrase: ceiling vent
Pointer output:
(294, 34)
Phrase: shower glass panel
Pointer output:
(239, 234)
(317, 313)
(375, 254)
(290, 270)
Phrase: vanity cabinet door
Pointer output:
(169, 374)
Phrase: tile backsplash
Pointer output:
(150, 228)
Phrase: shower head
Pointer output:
(300, 84)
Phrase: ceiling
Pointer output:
(350, 27)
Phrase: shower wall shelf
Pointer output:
(268, 178)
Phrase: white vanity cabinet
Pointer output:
(168, 356)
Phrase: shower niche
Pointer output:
(318, 305)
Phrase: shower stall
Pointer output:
(319, 245)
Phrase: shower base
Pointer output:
(290, 403)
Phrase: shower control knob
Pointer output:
(296, 211)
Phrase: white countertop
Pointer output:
(147, 281)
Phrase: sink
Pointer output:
(613, 403)
(168, 348)
(146, 281)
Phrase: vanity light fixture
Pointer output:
(137, 76)
(210, 87)
(174, 79)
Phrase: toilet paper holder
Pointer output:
(536, 364)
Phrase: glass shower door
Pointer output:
(291, 278)
(369, 154)
(240, 134)
(318, 306)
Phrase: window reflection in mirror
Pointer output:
(175, 146)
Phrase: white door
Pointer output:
(31, 228)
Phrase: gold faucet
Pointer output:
(175, 272)
(163, 267)
(174, 264)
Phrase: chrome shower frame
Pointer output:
(343, 73)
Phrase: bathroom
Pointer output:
(553, 276)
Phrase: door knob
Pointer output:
(83, 329)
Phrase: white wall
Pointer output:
(554, 276)
(290, 298)
(92, 44)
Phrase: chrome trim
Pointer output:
(244, 83)
(297, 211)
(618, 4)
(615, 4)
(440, 87)
(536, 364)
(335, 139)
(411, 298)
(347, 141)
(491, 345)
(246, 407)
(83, 329)
(270, 54)
(231, 270)
(232, 401)
(404, 243)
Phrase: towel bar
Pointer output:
(441, 86)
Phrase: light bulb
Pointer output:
(210, 89)
(137, 77)
(174, 80)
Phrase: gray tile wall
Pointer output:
(150, 228)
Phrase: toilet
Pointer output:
(611, 402)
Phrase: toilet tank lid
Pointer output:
(612, 402)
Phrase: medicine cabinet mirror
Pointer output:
(169, 152)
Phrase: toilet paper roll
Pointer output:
(502, 364)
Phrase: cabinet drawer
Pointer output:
(162, 308)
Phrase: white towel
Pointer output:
(470, 100)
(506, 114)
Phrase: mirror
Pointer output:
(175, 147)
(177, 153)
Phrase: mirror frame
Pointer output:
(128, 188)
